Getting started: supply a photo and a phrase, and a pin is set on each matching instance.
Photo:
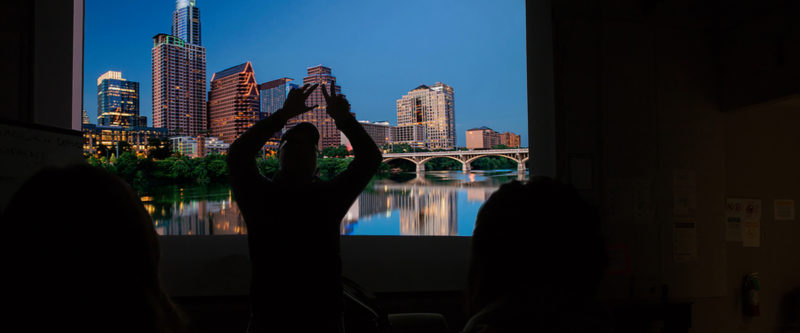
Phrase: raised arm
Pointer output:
(367, 157)
(242, 152)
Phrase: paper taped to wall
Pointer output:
(784, 210)
(684, 247)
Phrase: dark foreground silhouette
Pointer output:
(293, 220)
(80, 254)
(537, 257)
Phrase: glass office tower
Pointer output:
(118, 101)
(273, 94)
(186, 21)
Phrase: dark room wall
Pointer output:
(36, 86)
(639, 93)
(37, 62)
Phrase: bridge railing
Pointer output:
(460, 152)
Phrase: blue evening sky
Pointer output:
(377, 50)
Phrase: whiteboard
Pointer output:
(27, 148)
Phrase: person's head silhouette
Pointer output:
(536, 251)
(81, 253)
(298, 152)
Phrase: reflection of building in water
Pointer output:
(479, 194)
(373, 203)
(367, 204)
(225, 218)
(423, 210)
(221, 217)
(431, 211)
(351, 218)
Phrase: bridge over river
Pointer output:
(519, 155)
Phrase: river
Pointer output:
(436, 203)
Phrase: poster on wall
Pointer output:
(684, 247)
(743, 221)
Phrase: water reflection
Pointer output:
(197, 210)
(436, 203)
(420, 210)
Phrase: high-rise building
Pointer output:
(84, 117)
(118, 101)
(434, 108)
(510, 139)
(179, 74)
(380, 132)
(413, 135)
(118, 120)
(329, 135)
(482, 138)
(273, 94)
(186, 21)
(233, 102)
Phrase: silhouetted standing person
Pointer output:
(293, 220)
(537, 257)
(80, 254)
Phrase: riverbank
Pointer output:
(144, 172)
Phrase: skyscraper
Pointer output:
(118, 101)
(179, 74)
(273, 94)
(329, 135)
(434, 108)
(186, 21)
(233, 102)
(381, 133)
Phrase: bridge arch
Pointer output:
(464, 166)
(426, 159)
(472, 159)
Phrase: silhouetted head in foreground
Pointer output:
(81, 255)
(298, 152)
(537, 253)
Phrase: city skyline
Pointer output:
(368, 63)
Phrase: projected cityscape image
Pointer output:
(443, 96)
